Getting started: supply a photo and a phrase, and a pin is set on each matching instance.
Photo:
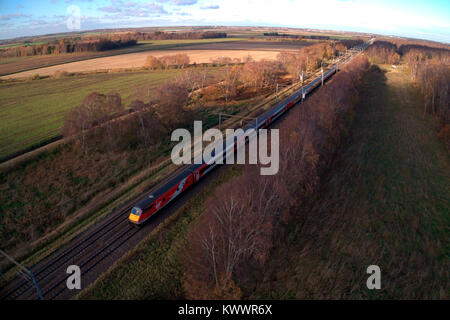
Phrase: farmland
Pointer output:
(198, 52)
(33, 111)
(13, 65)
(134, 60)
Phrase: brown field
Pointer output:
(133, 60)
(12, 65)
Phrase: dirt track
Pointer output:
(133, 60)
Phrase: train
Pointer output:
(163, 195)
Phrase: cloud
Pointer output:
(351, 15)
(183, 2)
(110, 9)
(6, 25)
(10, 16)
(211, 6)
(133, 9)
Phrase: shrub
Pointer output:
(35, 77)
(61, 74)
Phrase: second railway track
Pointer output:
(76, 248)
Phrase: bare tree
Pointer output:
(171, 99)
(93, 117)
(153, 63)
(229, 85)
(262, 73)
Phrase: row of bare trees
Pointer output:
(179, 60)
(383, 52)
(253, 75)
(100, 42)
(234, 235)
(265, 73)
(309, 58)
(95, 111)
(226, 61)
(102, 122)
(413, 53)
(430, 68)
(66, 46)
(258, 74)
(433, 76)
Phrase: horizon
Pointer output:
(410, 19)
(224, 26)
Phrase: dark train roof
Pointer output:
(145, 202)
(283, 103)
(195, 167)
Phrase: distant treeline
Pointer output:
(285, 35)
(160, 35)
(96, 43)
(66, 46)
(391, 51)
(429, 67)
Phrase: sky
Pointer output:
(410, 18)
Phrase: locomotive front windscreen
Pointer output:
(136, 211)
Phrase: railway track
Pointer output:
(86, 250)
(93, 251)
(75, 249)
(124, 233)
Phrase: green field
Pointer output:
(33, 111)
(5, 46)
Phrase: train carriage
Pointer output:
(154, 202)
